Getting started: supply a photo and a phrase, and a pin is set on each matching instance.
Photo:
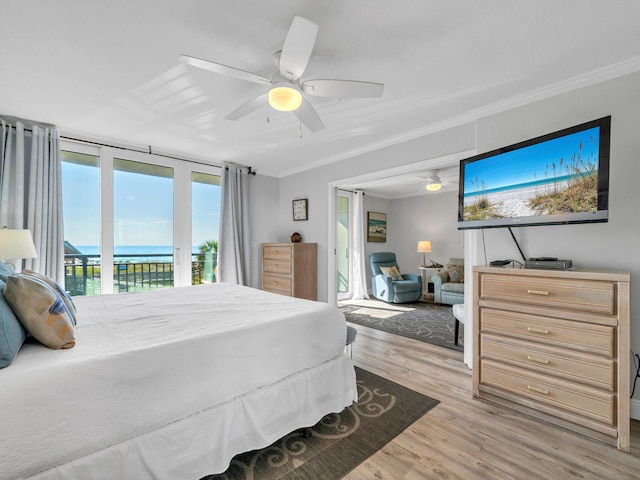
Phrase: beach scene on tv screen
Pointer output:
(558, 176)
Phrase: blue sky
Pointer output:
(143, 208)
(530, 163)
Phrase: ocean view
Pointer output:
(561, 179)
(162, 253)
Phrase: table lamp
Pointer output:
(424, 246)
(16, 244)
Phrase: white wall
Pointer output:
(263, 222)
(314, 185)
(426, 217)
(609, 245)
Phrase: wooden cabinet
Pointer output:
(290, 269)
(555, 344)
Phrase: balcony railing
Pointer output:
(83, 272)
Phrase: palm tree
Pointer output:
(208, 258)
(209, 246)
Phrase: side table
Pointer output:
(427, 285)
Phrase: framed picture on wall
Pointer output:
(301, 209)
(376, 227)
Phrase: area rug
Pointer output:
(428, 322)
(339, 442)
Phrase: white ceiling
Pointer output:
(109, 70)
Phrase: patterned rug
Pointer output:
(428, 322)
(339, 442)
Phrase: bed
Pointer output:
(171, 384)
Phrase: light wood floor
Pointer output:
(467, 438)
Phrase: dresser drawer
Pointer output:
(586, 369)
(276, 266)
(277, 252)
(580, 295)
(579, 336)
(570, 397)
(276, 284)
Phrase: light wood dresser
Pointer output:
(290, 269)
(555, 344)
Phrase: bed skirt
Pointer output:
(205, 443)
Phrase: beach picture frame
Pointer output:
(376, 227)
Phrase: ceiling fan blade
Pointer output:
(297, 48)
(248, 107)
(309, 117)
(342, 88)
(223, 69)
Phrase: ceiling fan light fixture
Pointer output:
(433, 185)
(285, 98)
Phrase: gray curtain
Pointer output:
(359, 267)
(31, 192)
(234, 226)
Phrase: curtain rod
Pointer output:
(138, 150)
(150, 152)
(349, 191)
(250, 171)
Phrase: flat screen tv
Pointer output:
(559, 178)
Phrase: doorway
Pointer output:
(371, 183)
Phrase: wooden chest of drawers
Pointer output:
(290, 269)
(555, 344)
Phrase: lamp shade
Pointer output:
(424, 246)
(16, 244)
(285, 98)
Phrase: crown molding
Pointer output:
(594, 77)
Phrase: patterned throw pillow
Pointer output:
(456, 273)
(68, 301)
(392, 272)
(40, 310)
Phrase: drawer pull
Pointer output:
(537, 292)
(276, 265)
(276, 252)
(537, 330)
(276, 283)
(538, 390)
(537, 359)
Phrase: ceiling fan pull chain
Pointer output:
(300, 123)
(268, 111)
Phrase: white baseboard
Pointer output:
(634, 409)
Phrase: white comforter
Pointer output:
(143, 360)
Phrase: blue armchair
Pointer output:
(448, 286)
(409, 289)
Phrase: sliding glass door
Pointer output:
(137, 221)
(343, 245)
(142, 226)
(81, 216)
(205, 219)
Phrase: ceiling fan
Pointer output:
(432, 180)
(286, 91)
